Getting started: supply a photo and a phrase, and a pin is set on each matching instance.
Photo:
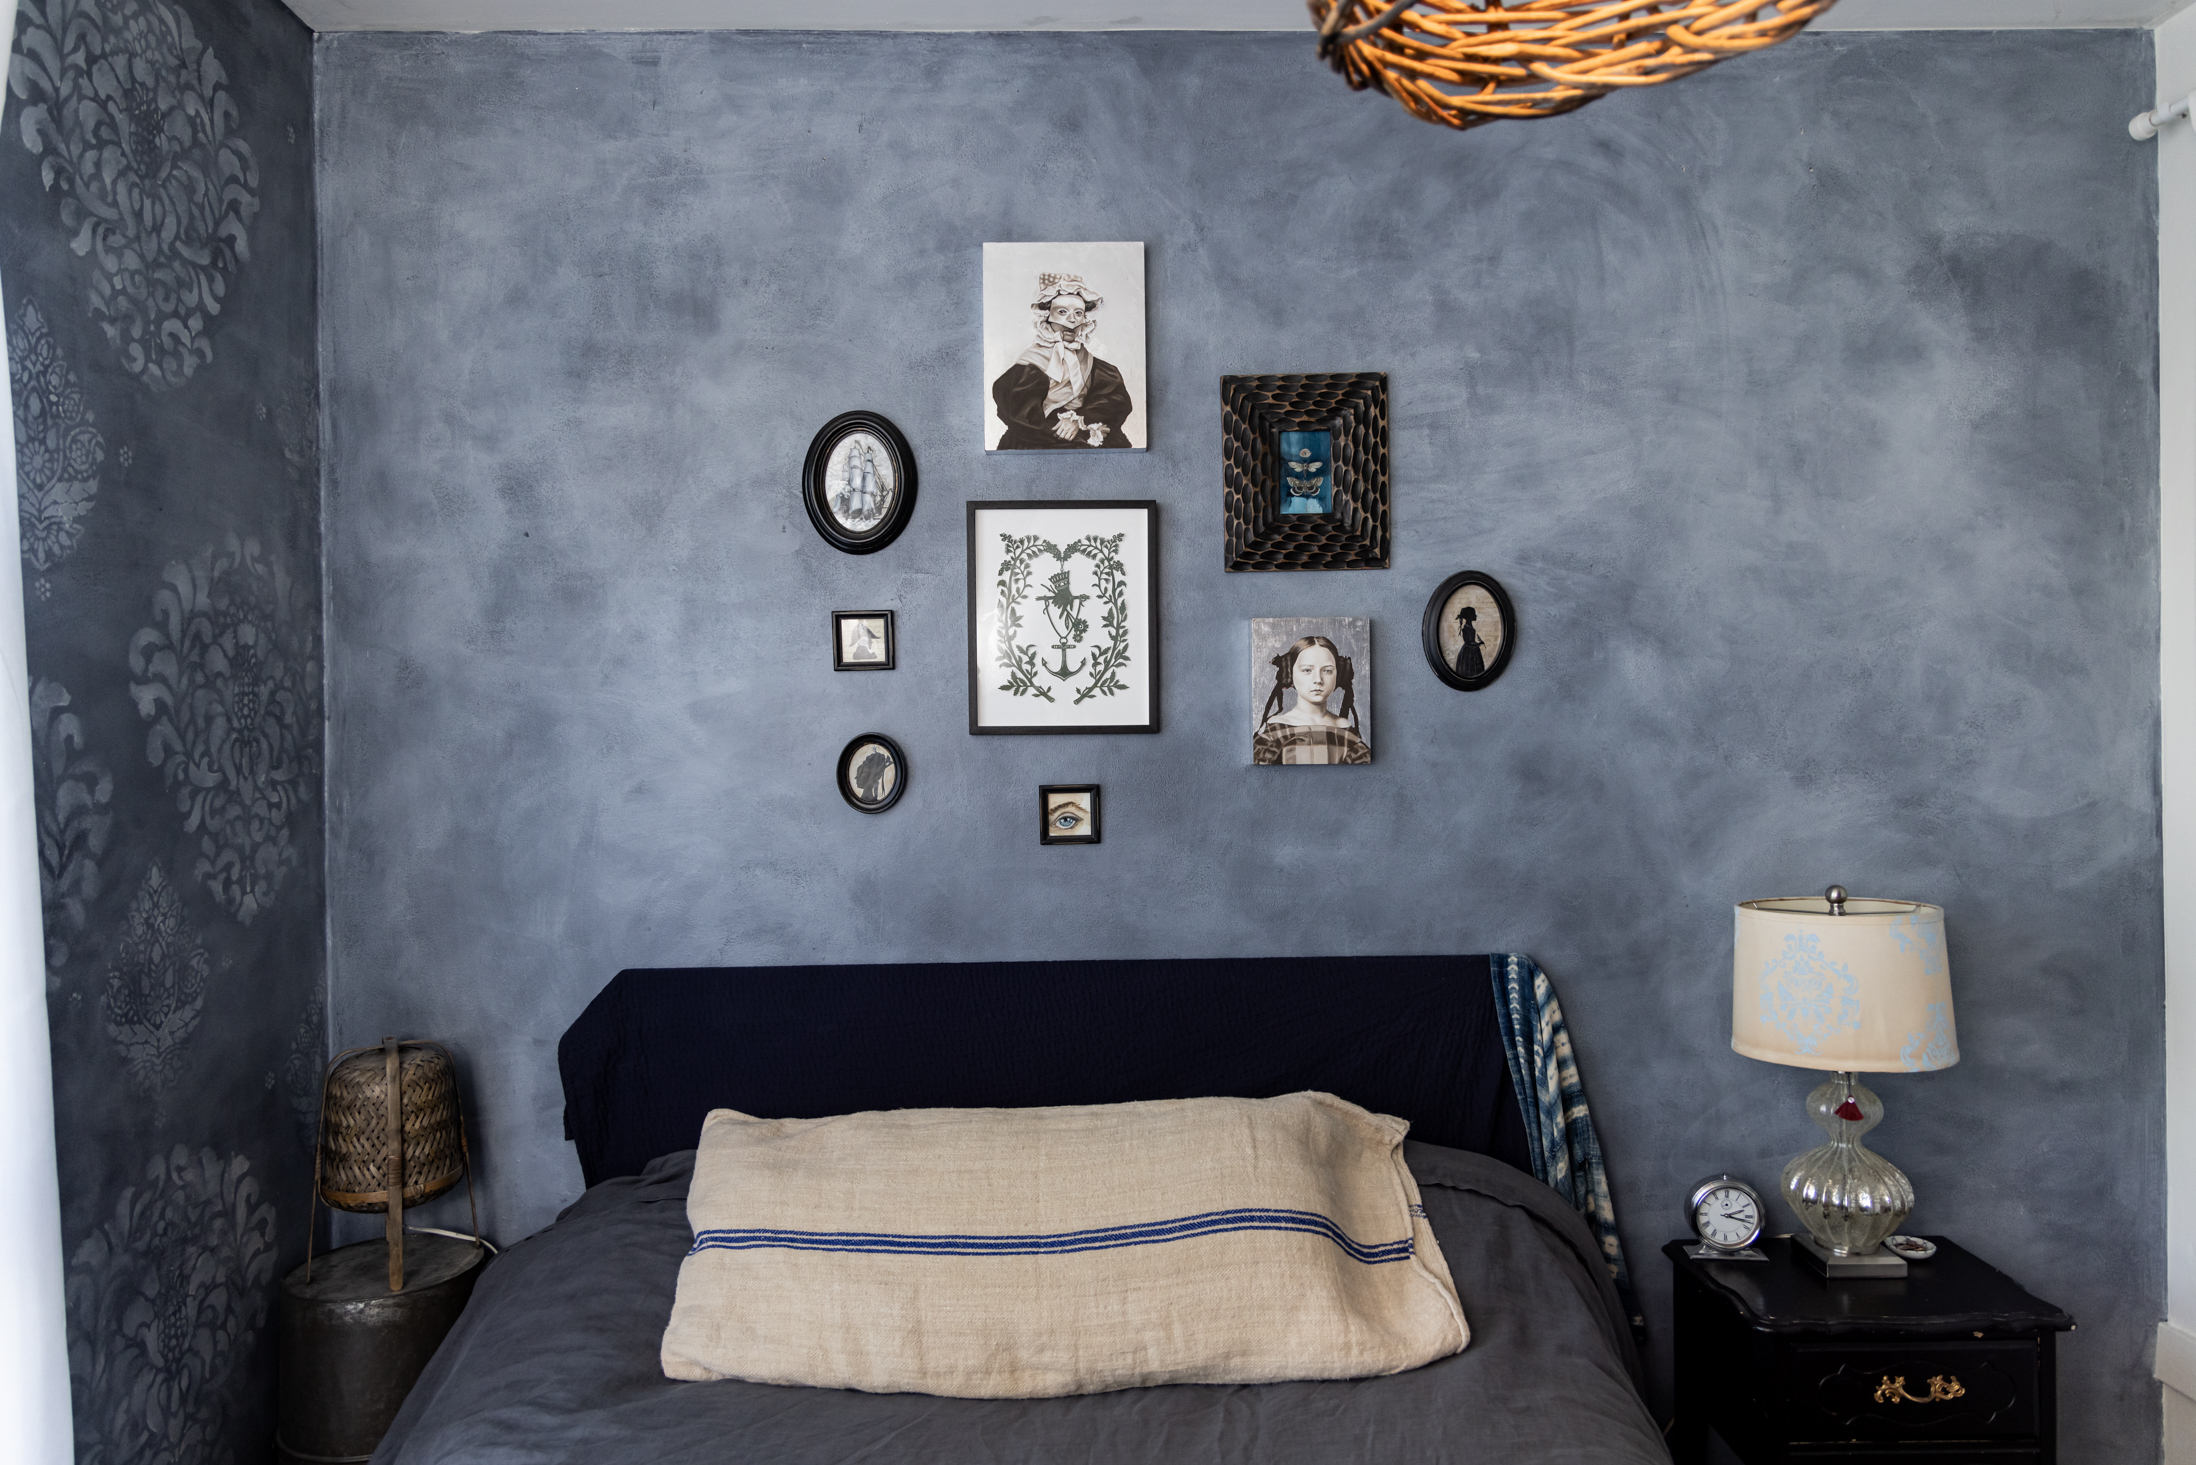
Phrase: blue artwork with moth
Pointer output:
(1307, 477)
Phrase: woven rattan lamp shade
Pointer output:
(392, 1135)
(354, 1150)
(1461, 64)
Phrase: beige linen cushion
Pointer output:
(1023, 1253)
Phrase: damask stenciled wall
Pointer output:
(156, 240)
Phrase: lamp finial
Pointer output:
(1836, 896)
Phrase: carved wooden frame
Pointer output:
(1254, 411)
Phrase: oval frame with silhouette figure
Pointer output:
(1446, 625)
(863, 786)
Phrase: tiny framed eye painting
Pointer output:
(1067, 813)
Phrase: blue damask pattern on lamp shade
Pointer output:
(137, 136)
(1806, 996)
(1858, 985)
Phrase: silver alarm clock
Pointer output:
(1727, 1215)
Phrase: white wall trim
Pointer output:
(2176, 1367)
(35, 1427)
(1102, 15)
(2176, 64)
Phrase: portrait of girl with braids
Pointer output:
(1311, 713)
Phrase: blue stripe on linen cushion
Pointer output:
(1026, 1253)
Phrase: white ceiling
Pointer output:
(1097, 15)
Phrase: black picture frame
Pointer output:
(816, 494)
(1148, 588)
(1355, 532)
(1088, 794)
(847, 773)
(1429, 630)
(838, 641)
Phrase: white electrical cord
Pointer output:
(2145, 127)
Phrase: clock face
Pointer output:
(1727, 1216)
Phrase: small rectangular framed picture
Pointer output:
(1067, 813)
(1311, 690)
(1064, 347)
(862, 640)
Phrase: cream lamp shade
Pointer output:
(1865, 991)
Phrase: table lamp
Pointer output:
(1847, 986)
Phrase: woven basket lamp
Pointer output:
(1454, 62)
(392, 1134)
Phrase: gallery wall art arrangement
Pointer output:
(157, 241)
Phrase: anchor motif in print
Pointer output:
(1063, 609)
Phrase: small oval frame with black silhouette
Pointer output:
(867, 785)
(1061, 802)
(1445, 628)
(858, 483)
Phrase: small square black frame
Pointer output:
(1254, 412)
(892, 641)
(1044, 813)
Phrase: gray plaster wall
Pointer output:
(1807, 409)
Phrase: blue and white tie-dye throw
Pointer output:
(1558, 1125)
(1027, 1253)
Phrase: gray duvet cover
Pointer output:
(556, 1360)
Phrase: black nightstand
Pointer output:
(1954, 1363)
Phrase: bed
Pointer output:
(556, 1357)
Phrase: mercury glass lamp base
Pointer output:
(1847, 1196)
(1817, 1258)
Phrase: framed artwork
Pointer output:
(859, 482)
(1064, 347)
(872, 773)
(1063, 628)
(1304, 471)
(1067, 813)
(862, 640)
(1468, 630)
(1311, 690)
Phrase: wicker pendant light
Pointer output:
(392, 1134)
(1454, 62)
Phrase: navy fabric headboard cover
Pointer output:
(1412, 1036)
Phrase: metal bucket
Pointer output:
(352, 1349)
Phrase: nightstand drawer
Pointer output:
(1914, 1391)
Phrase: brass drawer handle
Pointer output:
(1941, 1388)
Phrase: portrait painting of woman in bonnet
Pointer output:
(1313, 674)
(1049, 386)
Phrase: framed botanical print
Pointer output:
(863, 640)
(1063, 629)
(858, 482)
